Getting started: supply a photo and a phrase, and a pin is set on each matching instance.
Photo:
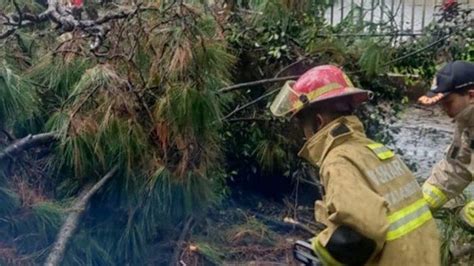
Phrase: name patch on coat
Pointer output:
(386, 172)
(396, 196)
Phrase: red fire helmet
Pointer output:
(447, 4)
(77, 3)
(318, 84)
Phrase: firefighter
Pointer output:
(453, 88)
(373, 208)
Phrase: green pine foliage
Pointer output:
(158, 117)
(8, 5)
(56, 77)
(10, 201)
(17, 97)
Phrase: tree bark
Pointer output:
(27, 142)
(70, 225)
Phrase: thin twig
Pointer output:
(74, 112)
(255, 83)
(8, 134)
(142, 101)
(247, 119)
(286, 224)
(299, 225)
(18, 10)
(290, 66)
(240, 108)
(417, 51)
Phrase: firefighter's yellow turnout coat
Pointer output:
(456, 171)
(373, 207)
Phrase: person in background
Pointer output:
(373, 207)
(453, 89)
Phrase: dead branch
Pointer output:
(70, 225)
(284, 225)
(248, 119)
(27, 142)
(83, 102)
(240, 108)
(302, 226)
(255, 83)
(7, 33)
(7, 134)
(62, 16)
(290, 66)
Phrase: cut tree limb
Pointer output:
(70, 225)
(27, 142)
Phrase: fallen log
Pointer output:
(26, 143)
(70, 225)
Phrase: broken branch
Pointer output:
(27, 142)
(62, 16)
(70, 225)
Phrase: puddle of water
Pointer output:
(423, 137)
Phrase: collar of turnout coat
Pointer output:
(317, 147)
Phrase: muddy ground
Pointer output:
(422, 139)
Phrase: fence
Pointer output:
(409, 17)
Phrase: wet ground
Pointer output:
(423, 137)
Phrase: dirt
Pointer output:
(248, 232)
